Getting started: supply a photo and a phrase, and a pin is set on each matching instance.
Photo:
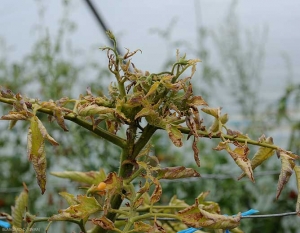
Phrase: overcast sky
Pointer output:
(133, 19)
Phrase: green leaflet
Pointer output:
(19, 209)
(91, 177)
(70, 198)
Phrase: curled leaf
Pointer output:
(57, 112)
(141, 227)
(70, 198)
(176, 173)
(215, 112)
(93, 109)
(287, 166)
(155, 197)
(91, 177)
(114, 185)
(261, 155)
(104, 222)
(196, 151)
(240, 156)
(21, 115)
(36, 153)
(197, 100)
(174, 134)
(19, 209)
(202, 215)
(85, 207)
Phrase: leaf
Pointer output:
(176, 173)
(297, 172)
(114, 185)
(191, 122)
(70, 198)
(217, 221)
(19, 209)
(153, 88)
(196, 151)
(287, 165)
(141, 226)
(57, 112)
(36, 149)
(145, 112)
(22, 115)
(91, 177)
(261, 155)
(197, 100)
(104, 222)
(93, 109)
(240, 156)
(155, 197)
(174, 134)
(36, 152)
(44, 132)
(85, 207)
(195, 216)
(215, 112)
(6, 93)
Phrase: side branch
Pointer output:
(232, 138)
(98, 131)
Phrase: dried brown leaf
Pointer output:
(240, 156)
(297, 172)
(176, 173)
(262, 154)
(287, 166)
(155, 197)
(104, 222)
(196, 151)
(174, 134)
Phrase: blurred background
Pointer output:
(250, 67)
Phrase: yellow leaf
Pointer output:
(153, 88)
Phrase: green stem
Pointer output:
(45, 219)
(148, 132)
(147, 216)
(146, 208)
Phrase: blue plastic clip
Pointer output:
(4, 224)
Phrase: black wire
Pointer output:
(100, 21)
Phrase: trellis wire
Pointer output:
(243, 217)
(190, 179)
